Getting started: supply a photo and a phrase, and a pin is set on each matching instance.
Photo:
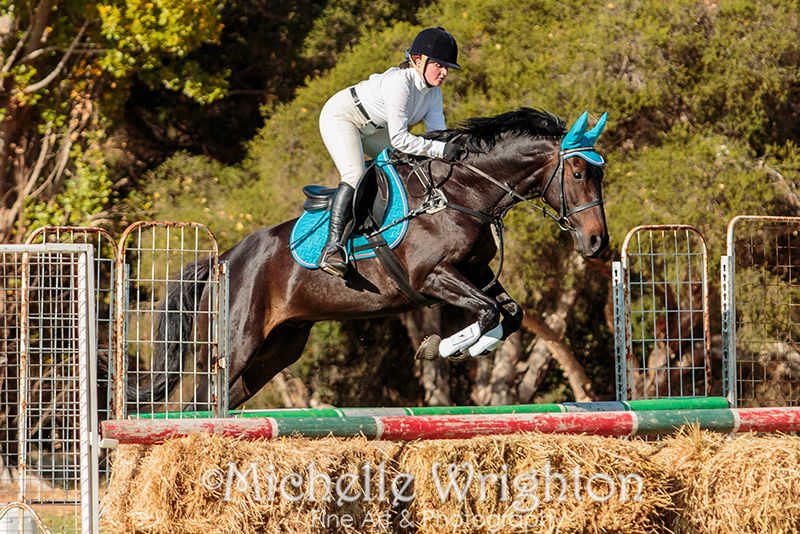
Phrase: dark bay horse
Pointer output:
(509, 158)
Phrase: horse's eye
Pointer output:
(578, 175)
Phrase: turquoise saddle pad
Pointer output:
(310, 232)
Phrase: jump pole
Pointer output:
(691, 403)
(415, 427)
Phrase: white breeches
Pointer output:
(348, 137)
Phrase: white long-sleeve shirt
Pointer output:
(399, 98)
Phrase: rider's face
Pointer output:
(435, 73)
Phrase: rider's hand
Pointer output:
(453, 151)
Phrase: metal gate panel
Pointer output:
(156, 351)
(50, 454)
(662, 332)
(105, 254)
(761, 291)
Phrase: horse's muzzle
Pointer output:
(592, 245)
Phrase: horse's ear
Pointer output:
(575, 134)
(594, 133)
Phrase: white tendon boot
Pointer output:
(488, 342)
(467, 343)
(459, 341)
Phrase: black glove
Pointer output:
(453, 151)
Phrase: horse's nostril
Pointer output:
(597, 243)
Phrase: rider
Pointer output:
(375, 114)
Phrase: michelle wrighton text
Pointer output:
(525, 491)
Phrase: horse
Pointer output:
(445, 254)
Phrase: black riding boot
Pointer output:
(334, 255)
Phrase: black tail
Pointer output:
(174, 323)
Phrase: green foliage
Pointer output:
(199, 189)
(696, 178)
(269, 50)
(343, 22)
(83, 196)
(66, 88)
(147, 38)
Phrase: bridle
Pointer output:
(563, 217)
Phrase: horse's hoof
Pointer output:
(459, 357)
(429, 348)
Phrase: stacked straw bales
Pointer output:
(726, 485)
(695, 482)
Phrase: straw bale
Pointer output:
(526, 493)
(125, 464)
(727, 485)
(694, 483)
(203, 484)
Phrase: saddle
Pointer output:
(380, 215)
(370, 202)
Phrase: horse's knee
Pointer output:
(489, 318)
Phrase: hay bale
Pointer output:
(535, 483)
(694, 483)
(727, 485)
(124, 464)
(204, 484)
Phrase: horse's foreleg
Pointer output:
(512, 321)
(449, 285)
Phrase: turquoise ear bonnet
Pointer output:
(581, 143)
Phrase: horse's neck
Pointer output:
(492, 199)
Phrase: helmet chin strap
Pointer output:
(421, 67)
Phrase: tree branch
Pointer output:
(11, 215)
(50, 77)
(36, 53)
(39, 21)
(14, 53)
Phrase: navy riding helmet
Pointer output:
(437, 45)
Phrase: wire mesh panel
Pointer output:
(105, 253)
(664, 271)
(50, 459)
(170, 342)
(763, 310)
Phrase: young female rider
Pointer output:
(375, 114)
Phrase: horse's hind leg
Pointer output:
(283, 346)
